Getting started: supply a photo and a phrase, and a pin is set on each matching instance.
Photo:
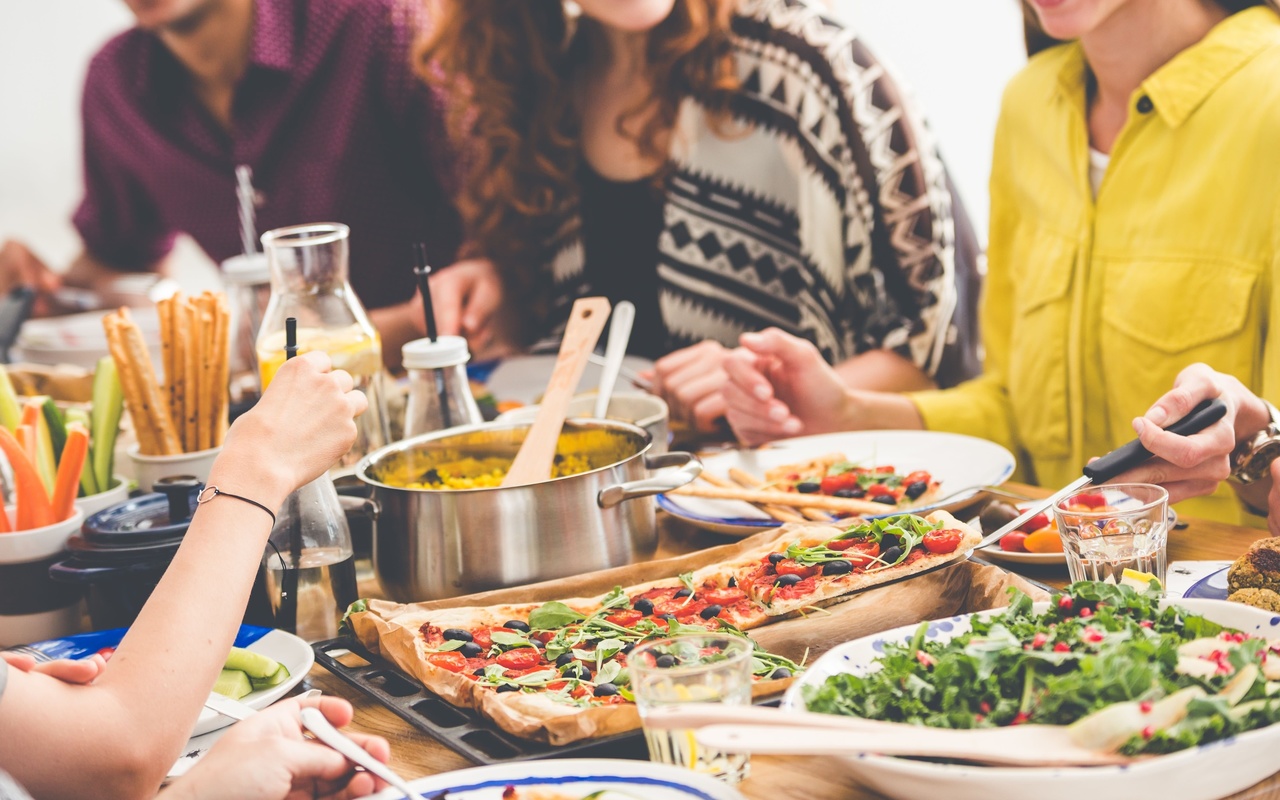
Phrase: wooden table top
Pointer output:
(414, 754)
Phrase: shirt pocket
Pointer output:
(1160, 315)
(1037, 375)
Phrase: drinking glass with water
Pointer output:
(1108, 529)
(692, 669)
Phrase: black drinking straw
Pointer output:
(423, 270)
(287, 617)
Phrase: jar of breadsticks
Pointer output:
(179, 415)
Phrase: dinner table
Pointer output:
(414, 754)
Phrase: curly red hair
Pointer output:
(509, 67)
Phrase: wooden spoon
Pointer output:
(747, 729)
(533, 463)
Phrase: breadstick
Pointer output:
(129, 385)
(204, 427)
(181, 344)
(154, 407)
(791, 499)
(780, 513)
(748, 481)
(191, 411)
(164, 310)
(222, 378)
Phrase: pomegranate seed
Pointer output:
(984, 707)
(1039, 640)
(1065, 603)
(1020, 718)
(925, 659)
(1062, 647)
(978, 717)
(1148, 732)
(1091, 634)
(1145, 706)
(1086, 612)
(1146, 623)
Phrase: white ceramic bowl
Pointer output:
(149, 469)
(642, 410)
(1202, 773)
(35, 547)
(118, 493)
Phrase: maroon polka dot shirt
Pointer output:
(328, 115)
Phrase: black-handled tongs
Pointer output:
(1122, 459)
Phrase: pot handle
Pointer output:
(689, 469)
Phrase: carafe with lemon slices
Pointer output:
(309, 282)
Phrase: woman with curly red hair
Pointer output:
(725, 165)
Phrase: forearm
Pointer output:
(131, 724)
(882, 371)
(88, 272)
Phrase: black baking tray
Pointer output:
(462, 730)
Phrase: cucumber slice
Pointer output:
(233, 683)
(274, 679)
(57, 427)
(255, 665)
(108, 405)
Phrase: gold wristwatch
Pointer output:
(1251, 460)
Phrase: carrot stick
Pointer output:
(67, 482)
(30, 413)
(27, 438)
(33, 508)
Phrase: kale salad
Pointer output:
(1098, 646)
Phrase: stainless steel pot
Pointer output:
(437, 543)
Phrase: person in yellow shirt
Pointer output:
(1135, 230)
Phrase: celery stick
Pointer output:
(10, 412)
(108, 404)
(45, 463)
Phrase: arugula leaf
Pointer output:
(449, 645)
(553, 615)
(608, 672)
(510, 639)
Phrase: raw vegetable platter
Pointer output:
(1211, 770)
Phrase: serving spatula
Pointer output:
(533, 461)
(1122, 459)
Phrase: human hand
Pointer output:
(779, 385)
(64, 669)
(1190, 466)
(266, 757)
(304, 422)
(466, 297)
(21, 267)
(690, 381)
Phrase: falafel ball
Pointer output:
(1264, 599)
(1258, 568)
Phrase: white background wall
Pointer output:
(956, 54)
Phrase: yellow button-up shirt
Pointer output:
(1093, 306)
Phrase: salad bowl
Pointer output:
(1205, 772)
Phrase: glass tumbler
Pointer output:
(692, 669)
(1108, 529)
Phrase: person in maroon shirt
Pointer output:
(318, 98)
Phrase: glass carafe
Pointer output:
(309, 281)
(309, 563)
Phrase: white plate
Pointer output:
(576, 777)
(957, 462)
(297, 657)
(993, 552)
(1202, 773)
(524, 378)
(79, 339)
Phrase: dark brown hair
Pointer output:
(1036, 39)
(510, 66)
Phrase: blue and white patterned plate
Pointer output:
(1202, 773)
(957, 462)
(1211, 587)
(614, 779)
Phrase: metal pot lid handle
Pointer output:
(689, 468)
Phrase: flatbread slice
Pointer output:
(777, 595)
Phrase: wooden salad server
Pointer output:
(533, 462)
